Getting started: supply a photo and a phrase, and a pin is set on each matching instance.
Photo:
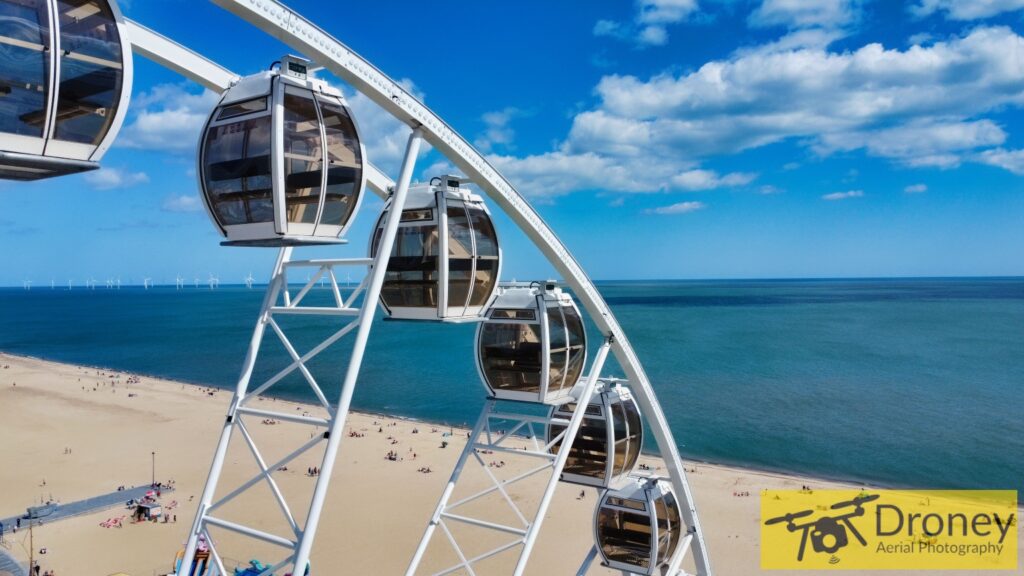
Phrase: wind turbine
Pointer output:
(248, 281)
(110, 283)
(179, 282)
(27, 284)
(91, 283)
(118, 282)
(214, 281)
(146, 283)
(53, 284)
(69, 283)
(196, 279)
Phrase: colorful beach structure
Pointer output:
(282, 164)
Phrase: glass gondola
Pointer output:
(638, 527)
(609, 439)
(446, 260)
(65, 81)
(532, 347)
(280, 160)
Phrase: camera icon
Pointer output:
(828, 534)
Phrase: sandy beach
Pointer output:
(72, 432)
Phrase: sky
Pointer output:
(661, 139)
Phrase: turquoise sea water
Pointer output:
(905, 382)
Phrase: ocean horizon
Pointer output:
(910, 381)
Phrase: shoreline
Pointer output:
(736, 467)
(119, 425)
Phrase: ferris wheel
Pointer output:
(281, 163)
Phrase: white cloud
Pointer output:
(649, 23)
(664, 11)
(843, 195)
(679, 208)
(916, 189)
(110, 178)
(168, 118)
(806, 13)
(965, 9)
(182, 203)
(919, 106)
(708, 179)
(498, 129)
(768, 190)
(1012, 160)
(384, 137)
(653, 36)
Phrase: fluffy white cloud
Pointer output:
(182, 203)
(708, 179)
(805, 13)
(168, 118)
(498, 129)
(834, 196)
(1012, 160)
(678, 208)
(649, 24)
(916, 189)
(919, 106)
(664, 11)
(383, 136)
(966, 9)
(110, 178)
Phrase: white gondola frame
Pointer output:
(543, 300)
(610, 392)
(280, 229)
(652, 488)
(47, 150)
(442, 196)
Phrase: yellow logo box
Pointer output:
(889, 529)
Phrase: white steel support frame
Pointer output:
(484, 437)
(302, 35)
(280, 301)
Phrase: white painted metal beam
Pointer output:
(302, 35)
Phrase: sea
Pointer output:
(899, 382)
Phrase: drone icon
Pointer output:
(828, 533)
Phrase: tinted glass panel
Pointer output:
(344, 168)
(24, 36)
(412, 276)
(510, 356)
(508, 314)
(236, 168)
(557, 349)
(460, 256)
(485, 278)
(414, 215)
(577, 345)
(588, 455)
(242, 108)
(90, 70)
(668, 526)
(625, 537)
(303, 155)
(630, 443)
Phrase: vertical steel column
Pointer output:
(563, 454)
(270, 297)
(366, 314)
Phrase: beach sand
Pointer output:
(85, 431)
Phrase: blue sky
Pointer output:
(660, 138)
